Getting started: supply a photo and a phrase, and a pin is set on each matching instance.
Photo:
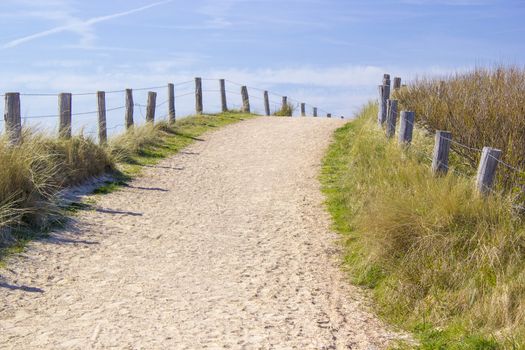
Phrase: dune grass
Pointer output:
(33, 174)
(441, 261)
(482, 107)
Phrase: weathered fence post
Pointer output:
(441, 151)
(129, 108)
(245, 100)
(102, 129)
(329, 115)
(391, 118)
(285, 105)
(150, 109)
(12, 118)
(406, 127)
(397, 83)
(171, 104)
(266, 103)
(64, 112)
(198, 96)
(384, 96)
(386, 79)
(303, 109)
(223, 95)
(315, 111)
(487, 169)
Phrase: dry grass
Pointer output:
(131, 143)
(484, 107)
(441, 260)
(33, 173)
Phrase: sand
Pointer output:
(226, 245)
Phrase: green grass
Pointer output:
(440, 260)
(33, 174)
(285, 111)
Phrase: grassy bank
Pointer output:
(33, 174)
(441, 261)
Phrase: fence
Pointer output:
(388, 115)
(13, 118)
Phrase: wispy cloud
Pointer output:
(79, 26)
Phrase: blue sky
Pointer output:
(329, 53)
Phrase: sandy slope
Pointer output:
(225, 245)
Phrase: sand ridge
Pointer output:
(225, 245)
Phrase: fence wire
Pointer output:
(478, 150)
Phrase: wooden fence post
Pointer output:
(441, 151)
(64, 112)
(397, 83)
(12, 118)
(406, 127)
(129, 108)
(245, 100)
(150, 109)
(198, 96)
(285, 105)
(171, 104)
(315, 111)
(384, 96)
(223, 95)
(303, 109)
(386, 80)
(487, 169)
(391, 118)
(266, 103)
(102, 129)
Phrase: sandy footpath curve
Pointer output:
(225, 245)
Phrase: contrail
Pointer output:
(80, 24)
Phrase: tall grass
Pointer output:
(34, 173)
(441, 260)
(483, 107)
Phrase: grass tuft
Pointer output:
(285, 111)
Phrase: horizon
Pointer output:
(331, 54)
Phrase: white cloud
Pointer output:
(341, 90)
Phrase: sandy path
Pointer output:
(225, 245)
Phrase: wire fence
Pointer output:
(182, 96)
(486, 171)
